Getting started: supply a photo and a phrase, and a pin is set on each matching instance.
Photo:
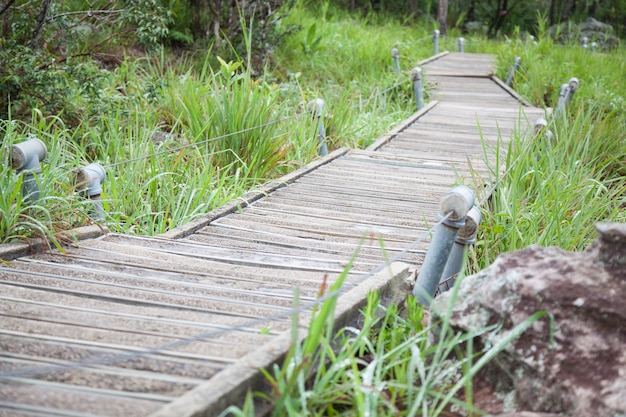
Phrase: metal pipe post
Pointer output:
(561, 103)
(512, 71)
(395, 54)
(418, 89)
(585, 41)
(542, 135)
(541, 130)
(317, 108)
(567, 92)
(456, 205)
(436, 42)
(460, 42)
(593, 46)
(25, 159)
(88, 182)
(465, 238)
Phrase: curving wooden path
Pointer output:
(178, 325)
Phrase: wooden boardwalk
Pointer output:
(178, 325)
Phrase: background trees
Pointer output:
(53, 52)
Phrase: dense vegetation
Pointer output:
(184, 121)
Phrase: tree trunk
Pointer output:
(471, 14)
(567, 10)
(442, 16)
(45, 5)
(552, 13)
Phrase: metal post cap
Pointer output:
(541, 122)
(316, 106)
(436, 33)
(416, 73)
(517, 60)
(28, 154)
(457, 202)
(573, 84)
(540, 125)
(395, 53)
(467, 234)
(89, 179)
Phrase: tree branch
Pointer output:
(6, 7)
(86, 13)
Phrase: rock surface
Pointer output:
(592, 29)
(575, 366)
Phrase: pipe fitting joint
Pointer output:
(27, 155)
(89, 179)
(458, 203)
(316, 106)
(416, 74)
(467, 234)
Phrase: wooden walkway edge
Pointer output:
(179, 325)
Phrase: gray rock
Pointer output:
(592, 29)
(575, 367)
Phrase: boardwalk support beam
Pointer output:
(465, 238)
(512, 71)
(455, 205)
(317, 108)
(25, 158)
(418, 89)
(88, 182)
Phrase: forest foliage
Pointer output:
(55, 54)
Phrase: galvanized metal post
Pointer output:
(436, 42)
(512, 71)
(460, 42)
(395, 54)
(566, 94)
(317, 108)
(593, 46)
(418, 89)
(541, 130)
(88, 182)
(542, 135)
(585, 40)
(456, 204)
(25, 158)
(465, 238)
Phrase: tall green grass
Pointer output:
(216, 129)
(391, 365)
